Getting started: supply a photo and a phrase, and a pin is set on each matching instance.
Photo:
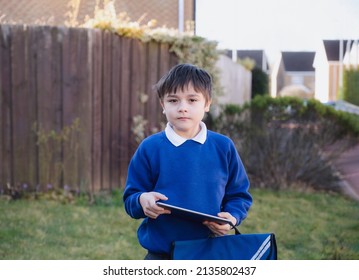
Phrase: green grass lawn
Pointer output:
(307, 226)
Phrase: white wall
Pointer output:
(321, 67)
(236, 81)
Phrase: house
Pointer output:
(258, 56)
(293, 75)
(330, 61)
(172, 13)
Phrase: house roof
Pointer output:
(332, 48)
(298, 61)
(257, 55)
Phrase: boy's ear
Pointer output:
(163, 106)
(208, 105)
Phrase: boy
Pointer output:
(185, 165)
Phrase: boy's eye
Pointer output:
(193, 100)
(172, 100)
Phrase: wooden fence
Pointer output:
(51, 76)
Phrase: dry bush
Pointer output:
(286, 142)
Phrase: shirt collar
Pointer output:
(177, 140)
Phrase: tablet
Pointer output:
(193, 215)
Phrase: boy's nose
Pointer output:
(182, 107)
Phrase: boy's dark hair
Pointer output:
(182, 75)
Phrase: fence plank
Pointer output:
(76, 105)
(125, 91)
(69, 103)
(115, 112)
(48, 64)
(33, 90)
(106, 111)
(97, 68)
(85, 110)
(138, 79)
(6, 176)
(153, 107)
(23, 102)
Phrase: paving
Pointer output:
(348, 166)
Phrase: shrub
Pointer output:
(259, 82)
(56, 149)
(287, 141)
(351, 85)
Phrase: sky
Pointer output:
(276, 25)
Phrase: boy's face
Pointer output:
(185, 110)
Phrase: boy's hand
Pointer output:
(149, 206)
(219, 229)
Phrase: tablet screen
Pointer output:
(193, 215)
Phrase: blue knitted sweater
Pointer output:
(207, 177)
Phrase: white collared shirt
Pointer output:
(177, 140)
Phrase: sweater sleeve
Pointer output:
(139, 180)
(237, 199)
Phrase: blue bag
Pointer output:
(258, 246)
